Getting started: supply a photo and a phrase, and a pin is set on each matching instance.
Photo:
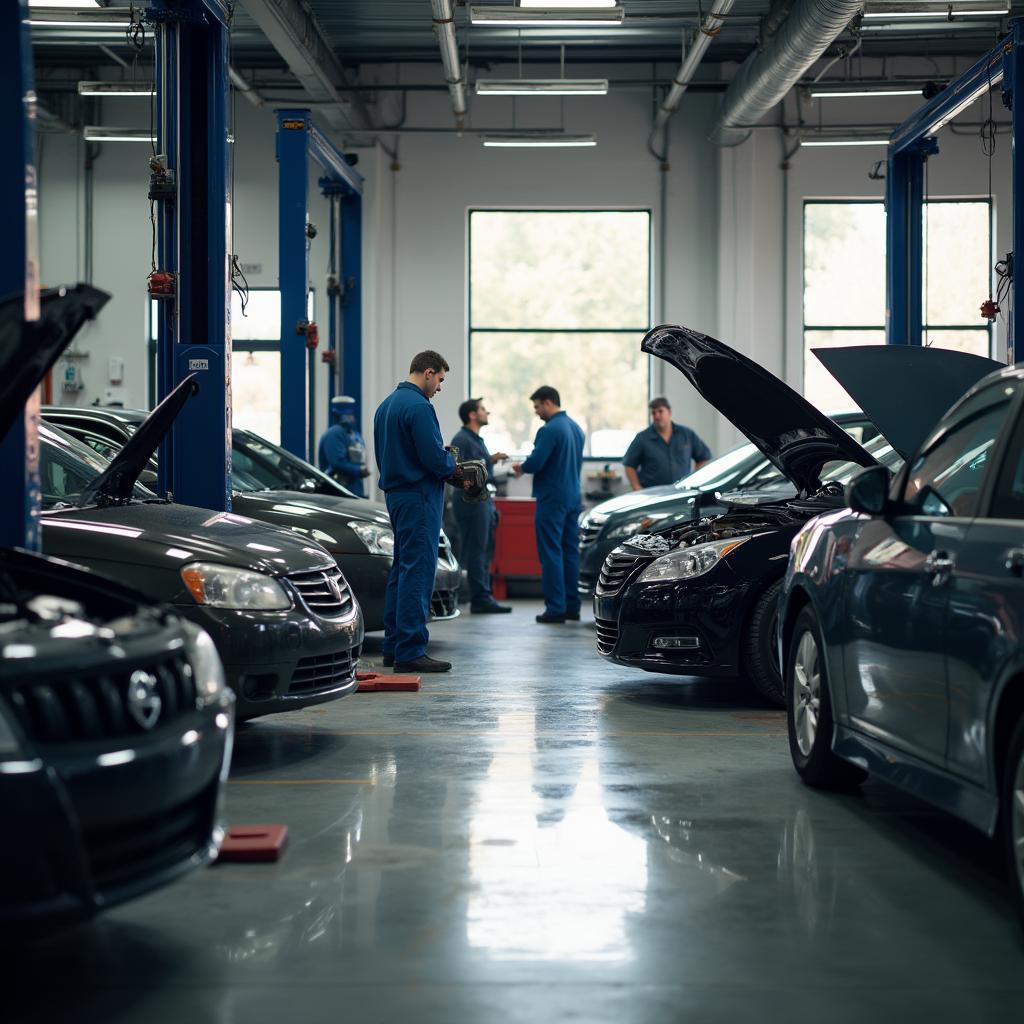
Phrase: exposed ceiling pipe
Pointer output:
(244, 87)
(709, 28)
(767, 76)
(444, 27)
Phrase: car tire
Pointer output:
(809, 711)
(760, 657)
(1012, 815)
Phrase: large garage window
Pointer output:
(844, 282)
(560, 297)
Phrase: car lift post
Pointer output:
(909, 146)
(194, 323)
(19, 266)
(298, 142)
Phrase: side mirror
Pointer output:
(868, 491)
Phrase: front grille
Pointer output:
(444, 603)
(607, 635)
(127, 852)
(444, 549)
(324, 671)
(96, 706)
(617, 569)
(588, 534)
(325, 592)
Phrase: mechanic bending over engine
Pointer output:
(342, 450)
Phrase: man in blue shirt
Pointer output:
(413, 468)
(664, 452)
(476, 520)
(555, 463)
(342, 450)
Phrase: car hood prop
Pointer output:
(904, 389)
(794, 436)
(28, 349)
(115, 484)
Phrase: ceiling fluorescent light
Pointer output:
(63, 3)
(546, 17)
(566, 3)
(513, 141)
(541, 86)
(860, 93)
(99, 133)
(890, 9)
(106, 17)
(837, 141)
(116, 89)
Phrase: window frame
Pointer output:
(471, 328)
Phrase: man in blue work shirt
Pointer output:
(476, 520)
(664, 452)
(342, 450)
(555, 463)
(413, 468)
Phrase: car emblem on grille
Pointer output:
(144, 702)
(335, 588)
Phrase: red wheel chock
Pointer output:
(253, 843)
(372, 682)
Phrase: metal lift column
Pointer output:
(19, 266)
(193, 323)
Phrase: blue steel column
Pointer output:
(352, 298)
(293, 274)
(1013, 64)
(333, 263)
(19, 267)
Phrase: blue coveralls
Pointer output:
(476, 523)
(413, 467)
(342, 453)
(555, 463)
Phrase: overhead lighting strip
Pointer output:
(560, 4)
(525, 141)
(542, 86)
(116, 89)
(90, 18)
(99, 133)
(890, 9)
(825, 142)
(547, 17)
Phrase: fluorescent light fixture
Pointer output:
(541, 86)
(850, 90)
(566, 3)
(116, 89)
(933, 8)
(519, 141)
(99, 133)
(63, 3)
(822, 143)
(67, 17)
(547, 17)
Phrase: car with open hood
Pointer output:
(115, 722)
(901, 622)
(701, 600)
(283, 617)
(741, 475)
(272, 485)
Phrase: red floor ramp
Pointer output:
(374, 682)
(247, 843)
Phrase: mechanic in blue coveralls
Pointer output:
(476, 520)
(342, 450)
(555, 463)
(414, 466)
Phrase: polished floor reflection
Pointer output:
(543, 837)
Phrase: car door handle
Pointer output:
(1015, 561)
(938, 565)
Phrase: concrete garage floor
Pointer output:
(540, 836)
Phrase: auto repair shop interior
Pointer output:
(774, 768)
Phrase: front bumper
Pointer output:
(368, 577)
(705, 618)
(280, 661)
(90, 826)
(444, 601)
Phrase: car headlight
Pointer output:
(224, 586)
(636, 526)
(379, 540)
(689, 562)
(207, 670)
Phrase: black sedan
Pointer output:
(901, 624)
(702, 600)
(115, 723)
(272, 485)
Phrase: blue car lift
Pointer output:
(299, 141)
(909, 146)
(19, 267)
(194, 282)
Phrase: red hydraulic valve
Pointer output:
(990, 309)
(161, 284)
(328, 356)
(312, 335)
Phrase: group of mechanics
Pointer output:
(414, 467)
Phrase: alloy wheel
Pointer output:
(806, 698)
(1017, 823)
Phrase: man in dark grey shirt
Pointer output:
(664, 452)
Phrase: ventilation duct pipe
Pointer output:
(767, 76)
(708, 30)
(444, 26)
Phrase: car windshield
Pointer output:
(718, 471)
(844, 472)
(67, 467)
(273, 468)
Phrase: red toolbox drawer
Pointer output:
(515, 544)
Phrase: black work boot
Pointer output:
(424, 663)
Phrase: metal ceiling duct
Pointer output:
(766, 77)
(444, 26)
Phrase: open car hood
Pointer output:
(904, 389)
(116, 482)
(797, 438)
(28, 349)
